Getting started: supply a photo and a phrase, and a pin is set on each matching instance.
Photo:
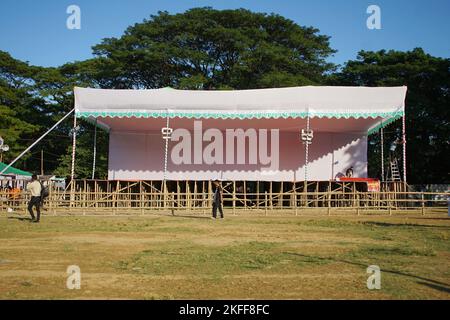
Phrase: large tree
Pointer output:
(427, 107)
(204, 48)
(23, 113)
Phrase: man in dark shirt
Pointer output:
(217, 200)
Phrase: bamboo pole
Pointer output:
(84, 198)
(234, 197)
(404, 146)
(245, 195)
(295, 199)
(210, 200)
(265, 202)
(172, 206)
(329, 198)
(188, 191)
(94, 157)
(178, 192)
(280, 195)
(305, 192)
(271, 196)
(423, 204)
(316, 204)
(257, 194)
(382, 151)
(141, 197)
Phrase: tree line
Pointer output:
(210, 49)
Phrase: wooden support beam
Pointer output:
(271, 196)
(257, 194)
(234, 197)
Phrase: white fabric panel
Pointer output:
(139, 156)
(316, 100)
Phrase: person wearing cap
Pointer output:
(217, 200)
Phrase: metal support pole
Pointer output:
(74, 145)
(382, 152)
(166, 150)
(34, 143)
(95, 150)
(306, 150)
(404, 146)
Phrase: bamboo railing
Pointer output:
(141, 197)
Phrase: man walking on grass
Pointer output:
(217, 200)
(35, 188)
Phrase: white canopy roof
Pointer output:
(386, 103)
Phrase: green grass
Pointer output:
(164, 257)
(182, 257)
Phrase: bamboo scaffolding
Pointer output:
(115, 197)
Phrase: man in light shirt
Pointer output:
(34, 187)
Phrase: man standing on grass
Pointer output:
(35, 188)
(217, 200)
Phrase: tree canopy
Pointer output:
(32, 99)
(205, 48)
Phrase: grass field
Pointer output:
(242, 257)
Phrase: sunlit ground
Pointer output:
(244, 256)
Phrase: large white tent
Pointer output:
(341, 118)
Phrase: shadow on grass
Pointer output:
(434, 284)
(193, 217)
(402, 225)
(186, 216)
(433, 218)
(20, 218)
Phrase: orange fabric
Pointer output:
(15, 193)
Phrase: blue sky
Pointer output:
(35, 31)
